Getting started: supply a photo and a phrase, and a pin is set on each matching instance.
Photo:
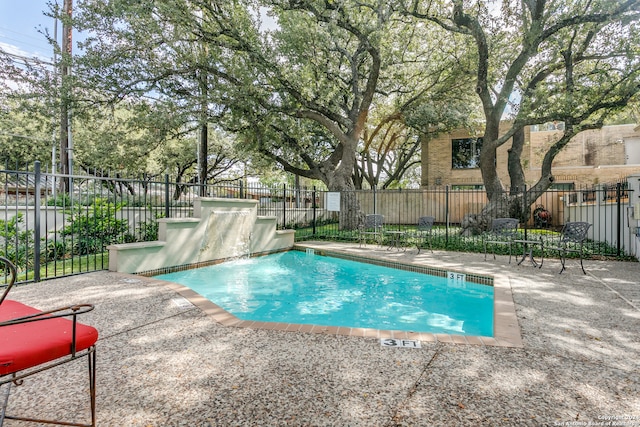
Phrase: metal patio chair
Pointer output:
(33, 341)
(373, 226)
(424, 233)
(503, 232)
(572, 240)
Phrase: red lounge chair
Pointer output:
(32, 341)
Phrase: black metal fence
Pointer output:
(49, 233)
(606, 207)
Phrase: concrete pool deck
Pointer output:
(164, 362)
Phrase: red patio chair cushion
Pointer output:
(31, 344)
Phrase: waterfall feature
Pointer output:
(249, 248)
(228, 234)
(221, 228)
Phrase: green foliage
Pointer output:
(94, 227)
(54, 250)
(61, 199)
(148, 230)
(26, 127)
(15, 244)
(303, 93)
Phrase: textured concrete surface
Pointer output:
(165, 364)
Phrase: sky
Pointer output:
(20, 21)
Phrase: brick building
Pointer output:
(597, 156)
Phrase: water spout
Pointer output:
(228, 235)
(249, 245)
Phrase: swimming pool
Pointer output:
(294, 287)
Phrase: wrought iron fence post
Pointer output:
(374, 200)
(619, 212)
(313, 209)
(166, 195)
(525, 208)
(446, 216)
(399, 220)
(36, 231)
(284, 206)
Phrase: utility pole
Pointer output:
(202, 79)
(54, 141)
(66, 145)
(203, 151)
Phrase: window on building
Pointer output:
(465, 153)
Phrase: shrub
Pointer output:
(15, 244)
(54, 250)
(148, 230)
(61, 199)
(95, 227)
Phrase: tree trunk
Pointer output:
(488, 161)
(515, 205)
(516, 173)
(501, 204)
(341, 179)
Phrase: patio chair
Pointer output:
(503, 232)
(424, 233)
(34, 341)
(373, 226)
(572, 239)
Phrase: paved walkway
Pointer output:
(163, 363)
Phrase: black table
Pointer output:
(527, 251)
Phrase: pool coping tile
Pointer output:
(344, 330)
(292, 327)
(459, 339)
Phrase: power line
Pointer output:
(19, 33)
(22, 42)
(4, 30)
(33, 59)
(23, 136)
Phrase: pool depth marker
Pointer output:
(392, 342)
(456, 279)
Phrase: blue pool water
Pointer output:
(294, 287)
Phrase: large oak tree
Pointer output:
(299, 93)
(570, 61)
